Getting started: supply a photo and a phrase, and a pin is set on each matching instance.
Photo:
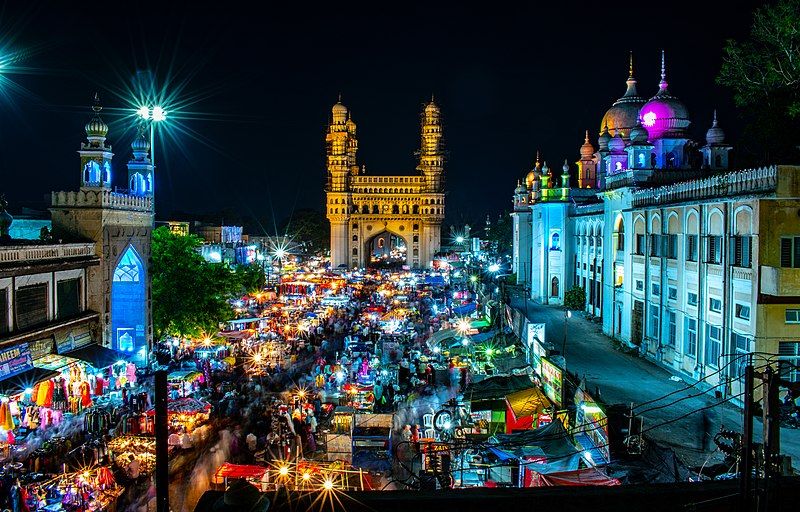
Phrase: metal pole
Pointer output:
(161, 432)
(746, 470)
(564, 345)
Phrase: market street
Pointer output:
(625, 378)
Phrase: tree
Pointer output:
(575, 298)
(190, 295)
(310, 228)
(764, 73)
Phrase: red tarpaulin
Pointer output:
(228, 470)
(580, 477)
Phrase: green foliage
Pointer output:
(310, 229)
(766, 67)
(763, 71)
(575, 298)
(190, 295)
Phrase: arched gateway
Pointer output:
(407, 209)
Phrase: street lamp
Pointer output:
(155, 115)
(567, 316)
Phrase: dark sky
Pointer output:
(260, 79)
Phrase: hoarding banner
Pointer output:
(41, 348)
(15, 360)
(552, 382)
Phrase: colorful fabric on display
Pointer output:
(6, 419)
(86, 400)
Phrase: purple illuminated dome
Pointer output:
(664, 115)
(624, 113)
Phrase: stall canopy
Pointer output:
(98, 356)
(184, 375)
(27, 379)
(544, 450)
(497, 387)
(434, 280)
(228, 470)
(523, 406)
(580, 477)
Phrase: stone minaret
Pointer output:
(431, 154)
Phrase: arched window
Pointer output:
(375, 208)
(365, 209)
(671, 162)
(416, 238)
(555, 242)
(355, 251)
(415, 210)
(355, 238)
(128, 302)
(107, 173)
(381, 243)
(718, 161)
(416, 227)
(620, 234)
(395, 209)
(554, 287)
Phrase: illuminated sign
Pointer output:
(15, 360)
(552, 381)
(593, 422)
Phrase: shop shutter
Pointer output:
(31, 305)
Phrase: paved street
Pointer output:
(624, 378)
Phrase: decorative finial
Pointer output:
(340, 98)
(586, 140)
(537, 157)
(565, 167)
(663, 84)
(97, 107)
(630, 65)
(714, 123)
(431, 97)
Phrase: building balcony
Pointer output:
(780, 281)
(101, 198)
(28, 253)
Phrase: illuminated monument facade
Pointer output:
(690, 262)
(384, 218)
(120, 225)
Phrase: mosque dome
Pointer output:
(617, 143)
(587, 150)
(623, 114)
(520, 189)
(529, 179)
(715, 135)
(431, 108)
(664, 114)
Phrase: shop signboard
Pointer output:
(72, 339)
(535, 346)
(480, 422)
(552, 377)
(593, 422)
(15, 360)
(41, 348)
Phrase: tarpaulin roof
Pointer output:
(547, 449)
(98, 356)
(440, 336)
(527, 402)
(228, 470)
(580, 477)
(497, 387)
(465, 309)
(434, 280)
(186, 405)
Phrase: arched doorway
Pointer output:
(129, 303)
(386, 250)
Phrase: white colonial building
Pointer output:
(693, 263)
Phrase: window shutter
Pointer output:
(786, 252)
(796, 252)
(747, 248)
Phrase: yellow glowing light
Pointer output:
(206, 341)
(306, 476)
(283, 470)
(258, 358)
(327, 484)
(301, 393)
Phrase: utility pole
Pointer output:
(746, 467)
(772, 440)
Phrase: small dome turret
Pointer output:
(638, 133)
(604, 139)
(520, 190)
(664, 114)
(617, 144)
(587, 150)
(96, 129)
(339, 112)
(715, 135)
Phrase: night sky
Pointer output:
(254, 87)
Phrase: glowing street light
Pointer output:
(494, 267)
(459, 239)
(155, 115)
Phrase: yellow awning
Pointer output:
(527, 402)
